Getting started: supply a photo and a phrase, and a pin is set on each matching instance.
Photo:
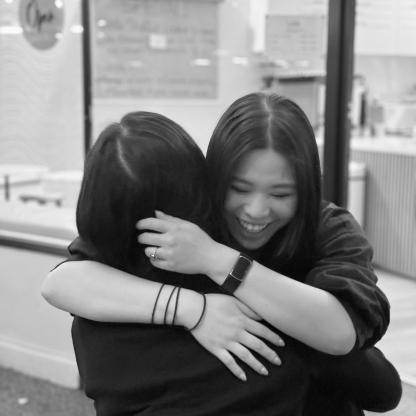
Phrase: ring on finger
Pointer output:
(154, 256)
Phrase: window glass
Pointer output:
(41, 115)
(383, 115)
(190, 59)
(187, 59)
(384, 94)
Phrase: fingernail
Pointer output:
(243, 377)
(281, 343)
(264, 371)
(277, 361)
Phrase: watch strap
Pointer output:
(238, 273)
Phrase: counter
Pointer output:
(397, 145)
(39, 227)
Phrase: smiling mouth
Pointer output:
(252, 228)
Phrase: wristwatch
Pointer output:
(238, 273)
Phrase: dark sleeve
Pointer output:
(364, 377)
(79, 250)
(344, 268)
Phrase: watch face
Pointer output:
(241, 267)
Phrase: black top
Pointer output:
(130, 369)
(145, 369)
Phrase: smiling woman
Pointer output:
(261, 200)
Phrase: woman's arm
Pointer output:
(306, 313)
(98, 292)
(324, 313)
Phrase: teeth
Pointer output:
(252, 228)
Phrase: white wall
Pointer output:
(35, 338)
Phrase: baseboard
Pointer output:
(40, 363)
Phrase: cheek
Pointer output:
(285, 209)
(232, 202)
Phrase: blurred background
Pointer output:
(69, 68)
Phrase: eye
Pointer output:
(239, 189)
(282, 195)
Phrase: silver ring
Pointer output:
(154, 256)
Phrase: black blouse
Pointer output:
(130, 369)
(145, 369)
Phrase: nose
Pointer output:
(257, 206)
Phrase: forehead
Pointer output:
(265, 166)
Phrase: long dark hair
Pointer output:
(262, 121)
(144, 162)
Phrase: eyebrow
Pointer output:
(284, 185)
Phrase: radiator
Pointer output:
(390, 209)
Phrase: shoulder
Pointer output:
(334, 220)
(332, 215)
(339, 232)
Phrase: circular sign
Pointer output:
(41, 21)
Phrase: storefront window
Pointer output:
(191, 59)
(187, 59)
(41, 116)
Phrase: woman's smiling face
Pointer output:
(261, 199)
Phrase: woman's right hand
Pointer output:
(229, 328)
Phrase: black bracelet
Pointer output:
(237, 274)
(176, 305)
(202, 313)
(155, 305)
(167, 306)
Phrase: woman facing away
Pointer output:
(311, 261)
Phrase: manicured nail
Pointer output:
(264, 371)
(281, 343)
(243, 377)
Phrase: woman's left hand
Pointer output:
(175, 244)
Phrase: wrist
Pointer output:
(189, 308)
(222, 261)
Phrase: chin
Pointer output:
(252, 245)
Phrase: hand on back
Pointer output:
(230, 330)
(176, 245)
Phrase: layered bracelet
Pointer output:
(175, 291)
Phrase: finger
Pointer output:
(161, 215)
(260, 330)
(257, 345)
(248, 311)
(246, 356)
(153, 224)
(227, 359)
(151, 239)
(154, 253)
